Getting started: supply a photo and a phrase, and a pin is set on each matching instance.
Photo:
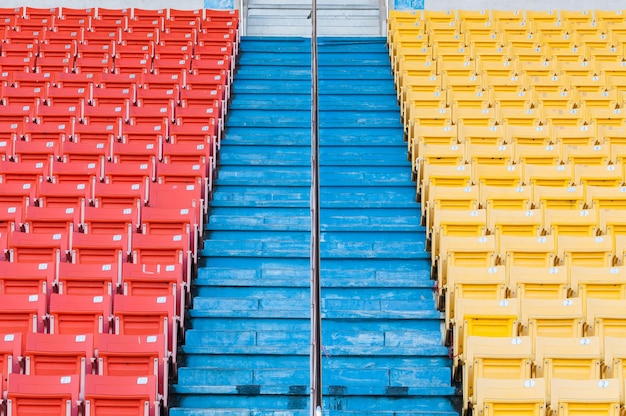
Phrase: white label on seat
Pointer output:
(599, 239)
(622, 188)
(554, 270)
(134, 186)
(610, 168)
(205, 128)
(200, 147)
(65, 380)
(80, 186)
(161, 299)
(473, 213)
(142, 380)
(568, 302)
(460, 168)
(3, 144)
(571, 189)
(117, 109)
(177, 238)
(109, 128)
(131, 76)
(184, 211)
(150, 146)
(56, 236)
(42, 266)
(9, 337)
(100, 146)
(39, 165)
(584, 213)
(49, 144)
(12, 210)
(467, 189)
(127, 211)
(170, 268)
(614, 270)
(213, 92)
(209, 111)
(26, 186)
(162, 110)
(33, 298)
(150, 339)
(541, 239)
(117, 237)
(143, 166)
(603, 384)
(529, 384)
(503, 303)
(190, 188)
(519, 189)
(584, 341)
(157, 128)
(80, 338)
(97, 299)
(530, 213)
(91, 166)
(69, 210)
(492, 270)
(169, 92)
(106, 267)
(482, 239)
(195, 167)
(539, 128)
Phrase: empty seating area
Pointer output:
(515, 128)
(110, 127)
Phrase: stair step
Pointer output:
(266, 176)
(266, 156)
(301, 136)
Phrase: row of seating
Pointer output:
(514, 126)
(110, 128)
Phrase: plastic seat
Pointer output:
(514, 222)
(457, 223)
(597, 282)
(17, 113)
(89, 150)
(50, 220)
(118, 96)
(67, 196)
(16, 196)
(26, 279)
(560, 318)
(567, 222)
(495, 358)
(162, 250)
(540, 136)
(158, 97)
(606, 176)
(87, 279)
(528, 251)
(37, 151)
(49, 395)
(567, 358)
(506, 198)
(37, 248)
(121, 395)
(442, 175)
(500, 175)
(79, 314)
(22, 95)
(597, 155)
(538, 282)
(151, 114)
(129, 171)
(10, 356)
(614, 359)
(23, 173)
(139, 152)
(548, 176)
(598, 397)
(22, 314)
(424, 155)
(116, 220)
(100, 248)
(593, 251)
(555, 197)
(104, 113)
(491, 135)
(59, 355)
(126, 195)
(464, 251)
(131, 355)
(53, 121)
(448, 198)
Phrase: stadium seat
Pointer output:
(597, 282)
(121, 395)
(598, 397)
(80, 314)
(22, 314)
(449, 198)
(548, 176)
(116, 220)
(10, 356)
(561, 318)
(107, 248)
(464, 251)
(506, 198)
(38, 395)
(591, 251)
(26, 278)
(38, 248)
(538, 282)
(528, 251)
(87, 279)
(562, 222)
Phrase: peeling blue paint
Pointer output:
(409, 4)
(219, 4)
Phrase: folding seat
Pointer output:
(79, 314)
(77, 172)
(121, 395)
(74, 80)
(217, 80)
(570, 116)
(610, 216)
(50, 220)
(38, 395)
(448, 198)
(52, 125)
(612, 135)
(534, 154)
(100, 248)
(443, 175)
(36, 152)
(607, 116)
(555, 197)
(495, 358)
(151, 131)
(119, 96)
(471, 283)
(16, 64)
(424, 155)
(132, 65)
(529, 135)
(561, 318)
(26, 278)
(197, 133)
(528, 251)
(140, 36)
(172, 36)
(492, 135)
(37, 248)
(14, 197)
(456, 223)
(132, 51)
(526, 116)
(157, 81)
(187, 173)
(18, 96)
(614, 359)
(105, 113)
(578, 135)
(570, 358)
(49, 64)
(59, 355)
(23, 173)
(592, 251)
(125, 195)
(597, 282)
(598, 397)
(598, 176)
(129, 171)
(150, 114)
(87, 279)
(135, 154)
(506, 175)
(603, 99)
(156, 249)
(29, 80)
(92, 65)
(84, 153)
(579, 67)
(568, 222)
(129, 355)
(203, 98)
(549, 176)
(10, 217)
(181, 197)
(63, 196)
(537, 282)
(189, 153)
(147, 315)
(515, 222)
(20, 314)
(485, 116)
(464, 251)
(104, 50)
(159, 97)
(65, 35)
(483, 318)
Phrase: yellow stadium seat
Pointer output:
(485, 55)
(556, 36)
(405, 40)
(571, 115)
(548, 176)
(607, 116)
(491, 135)
(599, 99)
(617, 80)
(444, 175)
(530, 154)
(425, 155)
(397, 17)
(619, 244)
(606, 59)
(597, 282)
(529, 135)
(449, 198)
(555, 197)
(571, 358)
(578, 67)
(561, 222)
(556, 99)
(465, 68)
(549, 83)
(474, 16)
(542, 16)
(595, 41)
(496, 197)
(536, 68)
(485, 154)
(494, 358)
(445, 31)
(606, 318)
(523, 397)
(572, 53)
(614, 16)
(604, 198)
(588, 155)
(502, 175)
(473, 116)
(456, 223)
(519, 116)
(615, 359)
(480, 39)
(585, 397)
(471, 99)
(613, 135)
(446, 135)
(515, 222)
(595, 251)
(484, 318)
(461, 83)
(570, 16)
(561, 318)
(528, 251)
(415, 102)
(537, 282)
(575, 135)
(465, 252)
(439, 16)
(517, 99)
(507, 15)
(472, 283)
(473, 28)
(612, 220)
(598, 176)
(500, 78)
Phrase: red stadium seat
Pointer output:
(50, 219)
(54, 124)
(22, 314)
(24, 172)
(87, 149)
(26, 278)
(16, 195)
(130, 171)
(87, 279)
(43, 395)
(37, 151)
(111, 96)
(115, 220)
(121, 396)
(65, 96)
(10, 356)
(76, 172)
(80, 314)
(64, 196)
(38, 248)
(100, 248)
